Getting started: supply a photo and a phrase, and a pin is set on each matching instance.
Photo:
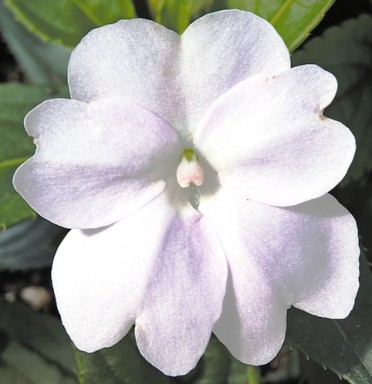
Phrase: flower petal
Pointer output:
(95, 163)
(173, 283)
(269, 141)
(223, 48)
(305, 256)
(253, 320)
(134, 59)
(100, 275)
(215, 53)
(184, 295)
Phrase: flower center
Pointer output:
(189, 170)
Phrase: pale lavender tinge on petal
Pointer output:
(184, 295)
(253, 321)
(334, 280)
(95, 163)
(305, 256)
(309, 253)
(270, 142)
(160, 268)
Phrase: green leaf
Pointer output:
(171, 13)
(215, 364)
(346, 51)
(42, 334)
(177, 14)
(239, 373)
(293, 19)
(15, 101)
(103, 12)
(253, 375)
(29, 244)
(343, 346)
(12, 207)
(57, 20)
(218, 366)
(67, 21)
(42, 62)
(34, 368)
(357, 197)
(313, 373)
(123, 363)
(119, 364)
(11, 375)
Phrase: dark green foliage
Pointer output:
(346, 51)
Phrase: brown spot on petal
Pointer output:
(322, 117)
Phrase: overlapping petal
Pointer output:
(134, 59)
(214, 54)
(269, 141)
(253, 321)
(223, 48)
(162, 267)
(184, 297)
(305, 256)
(95, 163)
(100, 277)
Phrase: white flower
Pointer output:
(194, 170)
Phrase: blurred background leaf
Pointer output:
(35, 346)
(42, 62)
(293, 19)
(16, 100)
(57, 20)
(28, 245)
(123, 363)
(11, 375)
(346, 51)
(103, 12)
(68, 21)
(24, 363)
(119, 364)
(177, 14)
(213, 368)
(357, 197)
(343, 346)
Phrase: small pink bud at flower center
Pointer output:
(189, 170)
